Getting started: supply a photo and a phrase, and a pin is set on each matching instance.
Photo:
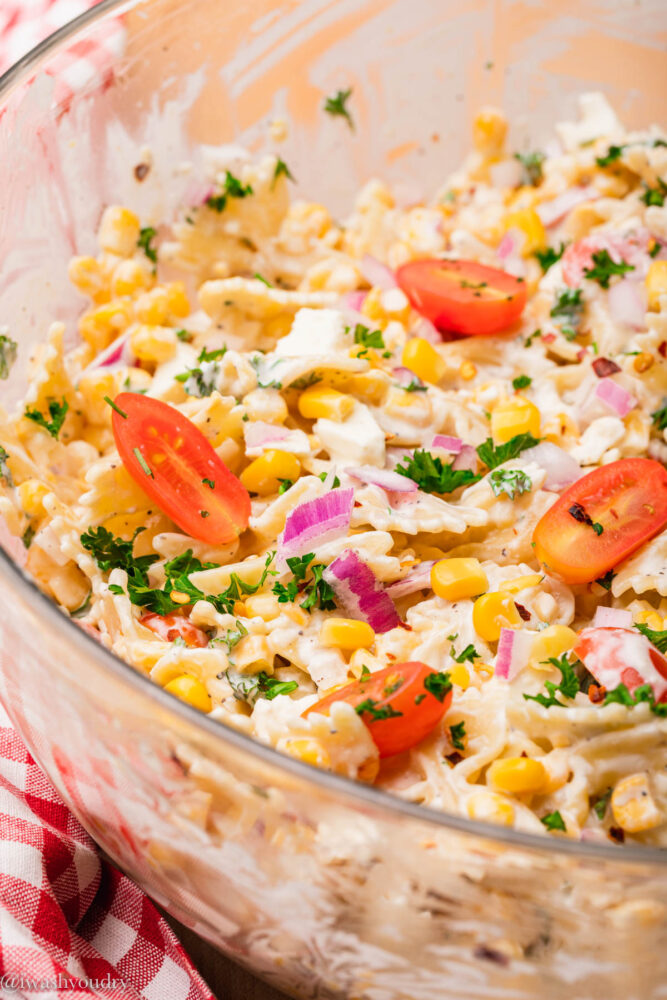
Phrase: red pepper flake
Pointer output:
(548, 338)
(604, 367)
(662, 349)
(581, 354)
(617, 833)
(524, 612)
(597, 693)
(141, 171)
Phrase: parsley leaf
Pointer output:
(145, 242)
(57, 412)
(657, 636)
(438, 684)
(656, 195)
(612, 154)
(513, 482)
(548, 257)
(416, 385)
(231, 188)
(250, 687)
(605, 267)
(202, 380)
(111, 552)
(316, 591)
(553, 821)
(457, 734)
(285, 485)
(432, 476)
(263, 381)
(531, 337)
(600, 803)
(532, 167)
(337, 106)
(8, 349)
(4, 468)
(281, 170)
(232, 638)
(369, 707)
(469, 653)
(493, 455)
(620, 695)
(367, 338)
(570, 308)
(521, 382)
(659, 418)
(606, 580)
(568, 686)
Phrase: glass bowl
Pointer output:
(325, 887)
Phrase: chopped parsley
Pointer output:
(145, 467)
(265, 281)
(369, 707)
(416, 385)
(457, 734)
(285, 485)
(644, 693)
(657, 636)
(184, 335)
(438, 684)
(659, 418)
(531, 337)
(145, 242)
(606, 580)
(231, 188)
(336, 106)
(494, 455)
(250, 687)
(115, 588)
(57, 413)
(4, 468)
(28, 536)
(553, 821)
(281, 170)
(513, 482)
(432, 476)
(121, 413)
(202, 380)
(568, 686)
(521, 382)
(579, 513)
(367, 338)
(232, 638)
(8, 349)
(209, 482)
(549, 256)
(262, 381)
(315, 591)
(469, 654)
(336, 480)
(604, 267)
(600, 803)
(312, 378)
(569, 308)
(612, 154)
(656, 195)
(532, 167)
(111, 552)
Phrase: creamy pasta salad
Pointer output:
(387, 494)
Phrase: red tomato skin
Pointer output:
(395, 735)
(572, 551)
(159, 431)
(607, 642)
(434, 288)
(174, 626)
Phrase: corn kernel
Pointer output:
(191, 690)
(517, 416)
(152, 307)
(102, 325)
(319, 402)
(494, 611)
(633, 805)
(489, 131)
(518, 775)
(86, 275)
(309, 751)
(129, 277)
(31, 495)
(455, 579)
(491, 808)
(119, 231)
(423, 359)
(264, 606)
(467, 370)
(529, 223)
(264, 474)
(643, 361)
(519, 583)
(153, 343)
(656, 283)
(177, 300)
(459, 675)
(552, 641)
(346, 633)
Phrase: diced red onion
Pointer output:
(561, 468)
(615, 396)
(359, 594)
(506, 174)
(417, 579)
(118, 352)
(628, 303)
(198, 192)
(551, 212)
(604, 367)
(427, 330)
(405, 377)
(384, 478)
(466, 458)
(258, 433)
(507, 247)
(354, 300)
(612, 618)
(451, 444)
(376, 273)
(514, 648)
(316, 522)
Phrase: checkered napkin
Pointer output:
(71, 926)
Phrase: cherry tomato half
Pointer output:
(404, 703)
(462, 295)
(602, 519)
(177, 467)
(623, 656)
(174, 626)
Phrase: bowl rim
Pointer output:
(360, 794)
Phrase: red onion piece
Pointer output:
(354, 300)
(258, 433)
(603, 367)
(396, 456)
(612, 618)
(628, 303)
(405, 377)
(385, 478)
(466, 458)
(514, 648)
(118, 352)
(561, 468)
(359, 594)
(451, 444)
(507, 247)
(615, 396)
(418, 579)
(551, 212)
(376, 273)
(316, 522)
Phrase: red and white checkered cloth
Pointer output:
(71, 925)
